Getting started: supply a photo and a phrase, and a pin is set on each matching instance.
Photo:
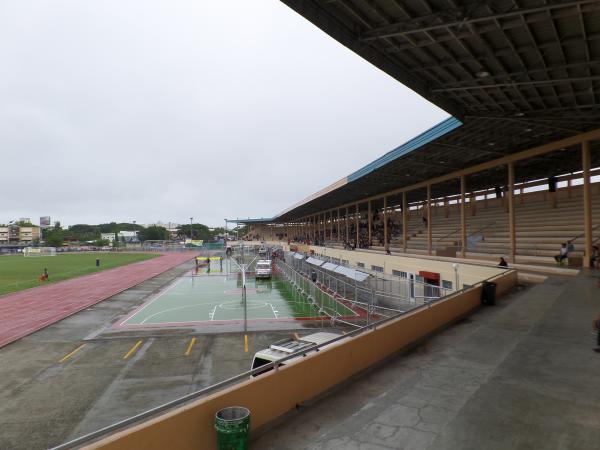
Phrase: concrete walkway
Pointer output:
(519, 375)
(27, 311)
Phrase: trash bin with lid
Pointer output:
(232, 425)
(488, 293)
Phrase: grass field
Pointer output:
(18, 273)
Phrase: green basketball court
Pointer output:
(216, 297)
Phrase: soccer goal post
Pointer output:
(39, 251)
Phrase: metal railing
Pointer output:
(326, 303)
(579, 236)
(379, 292)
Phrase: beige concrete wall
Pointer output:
(467, 273)
(277, 392)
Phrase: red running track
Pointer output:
(27, 311)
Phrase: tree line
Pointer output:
(83, 233)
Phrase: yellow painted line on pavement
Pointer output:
(190, 346)
(246, 343)
(68, 355)
(133, 349)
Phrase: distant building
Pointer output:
(45, 221)
(128, 236)
(15, 234)
(110, 237)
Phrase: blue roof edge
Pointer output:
(439, 130)
(251, 220)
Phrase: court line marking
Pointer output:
(274, 312)
(174, 309)
(132, 350)
(152, 300)
(211, 315)
(68, 355)
(190, 346)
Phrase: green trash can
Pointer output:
(488, 293)
(232, 425)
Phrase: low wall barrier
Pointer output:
(187, 423)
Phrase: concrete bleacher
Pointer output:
(541, 227)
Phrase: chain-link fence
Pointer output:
(371, 290)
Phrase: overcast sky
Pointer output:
(117, 110)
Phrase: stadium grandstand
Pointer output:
(521, 83)
(513, 172)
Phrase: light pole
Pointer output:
(191, 230)
(455, 266)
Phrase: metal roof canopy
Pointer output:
(518, 74)
(314, 261)
(329, 266)
(249, 221)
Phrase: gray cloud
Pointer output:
(162, 110)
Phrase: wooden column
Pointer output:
(587, 203)
(511, 211)
(356, 225)
(429, 228)
(404, 221)
(385, 224)
(463, 218)
(369, 221)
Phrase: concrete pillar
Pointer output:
(473, 204)
(369, 221)
(331, 224)
(404, 221)
(347, 226)
(428, 214)
(511, 212)
(338, 225)
(356, 225)
(385, 225)
(463, 218)
(587, 203)
(446, 207)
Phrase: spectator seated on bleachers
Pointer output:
(564, 254)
